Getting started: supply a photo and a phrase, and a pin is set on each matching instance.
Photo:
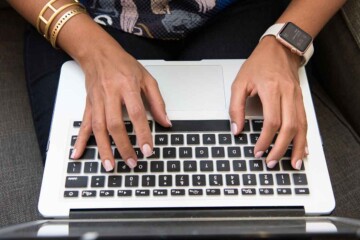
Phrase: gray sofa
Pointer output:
(336, 98)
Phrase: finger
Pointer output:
(117, 130)
(237, 106)
(270, 100)
(84, 133)
(156, 102)
(299, 143)
(137, 114)
(101, 134)
(288, 128)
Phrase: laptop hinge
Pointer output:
(186, 213)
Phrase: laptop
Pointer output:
(199, 170)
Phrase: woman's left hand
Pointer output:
(272, 72)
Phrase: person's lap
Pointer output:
(233, 34)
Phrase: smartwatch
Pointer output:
(294, 38)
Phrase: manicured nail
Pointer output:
(131, 163)
(272, 164)
(73, 154)
(306, 151)
(168, 121)
(234, 128)
(298, 164)
(107, 165)
(259, 154)
(147, 150)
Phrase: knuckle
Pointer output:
(272, 123)
(114, 124)
(290, 128)
(86, 127)
(98, 126)
(136, 111)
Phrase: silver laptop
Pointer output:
(198, 166)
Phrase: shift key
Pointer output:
(76, 182)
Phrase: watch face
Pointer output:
(295, 36)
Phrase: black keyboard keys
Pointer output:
(223, 165)
(217, 152)
(215, 180)
(173, 166)
(185, 152)
(256, 165)
(199, 180)
(177, 139)
(234, 152)
(76, 182)
(193, 139)
(209, 139)
(161, 139)
(157, 166)
(249, 179)
(239, 165)
(257, 125)
(132, 181)
(190, 166)
(165, 180)
(97, 181)
(266, 179)
(225, 139)
(148, 180)
(182, 180)
(300, 179)
(201, 152)
(74, 167)
(232, 180)
(241, 139)
(206, 166)
(114, 181)
(282, 179)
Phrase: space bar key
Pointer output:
(195, 126)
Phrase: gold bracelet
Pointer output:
(61, 22)
(41, 17)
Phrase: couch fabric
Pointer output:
(19, 155)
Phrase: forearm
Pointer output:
(78, 37)
(310, 15)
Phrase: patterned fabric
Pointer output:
(160, 19)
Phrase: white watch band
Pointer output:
(275, 29)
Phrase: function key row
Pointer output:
(184, 180)
(182, 192)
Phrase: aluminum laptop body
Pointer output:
(193, 91)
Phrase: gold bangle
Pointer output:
(61, 22)
(41, 18)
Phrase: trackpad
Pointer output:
(190, 88)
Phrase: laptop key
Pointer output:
(239, 165)
(173, 166)
(132, 139)
(206, 166)
(169, 152)
(177, 192)
(124, 193)
(157, 166)
(165, 180)
(122, 167)
(77, 124)
(234, 152)
(232, 179)
(215, 180)
(249, 179)
(256, 165)
(266, 191)
(177, 139)
(71, 194)
(199, 180)
(88, 193)
(97, 181)
(209, 139)
(246, 126)
(300, 179)
(190, 166)
(160, 192)
(74, 167)
(225, 139)
(89, 153)
(148, 180)
(182, 180)
(76, 182)
(185, 152)
(142, 193)
(217, 152)
(155, 153)
(193, 139)
(266, 179)
(91, 141)
(254, 137)
(161, 139)
(213, 192)
(249, 151)
(128, 126)
(302, 191)
(114, 181)
(201, 152)
(106, 193)
(131, 181)
(284, 191)
(257, 125)
(231, 191)
(195, 192)
(139, 154)
(286, 165)
(142, 166)
(104, 171)
(241, 139)
(248, 191)
(223, 165)
(282, 179)
(195, 126)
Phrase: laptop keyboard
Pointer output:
(193, 158)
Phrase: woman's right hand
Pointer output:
(114, 78)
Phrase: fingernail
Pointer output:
(168, 121)
(108, 166)
(146, 150)
(131, 163)
(234, 128)
(306, 151)
(259, 154)
(298, 164)
(271, 164)
(73, 153)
